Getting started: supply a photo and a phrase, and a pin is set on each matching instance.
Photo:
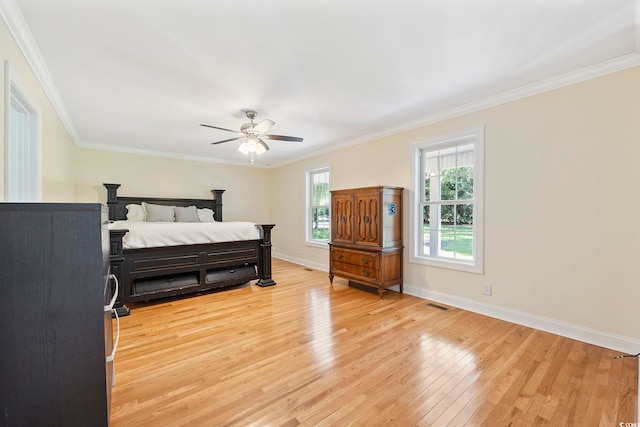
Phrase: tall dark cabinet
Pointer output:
(55, 331)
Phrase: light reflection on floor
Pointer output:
(320, 325)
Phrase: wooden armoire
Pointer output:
(366, 236)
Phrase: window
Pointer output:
(448, 217)
(22, 162)
(318, 205)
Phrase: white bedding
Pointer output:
(155, 234)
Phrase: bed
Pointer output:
(149, 269)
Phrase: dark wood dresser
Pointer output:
(56, 329)
(366, 236)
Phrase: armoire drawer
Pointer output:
(357, 271)
(370, 260)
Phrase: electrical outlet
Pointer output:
(486, 288)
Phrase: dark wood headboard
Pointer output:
(118, 211)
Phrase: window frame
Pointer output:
(308, 228)
(15, 92)
(475, 137)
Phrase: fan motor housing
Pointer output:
(247, 128)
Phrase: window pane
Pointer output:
(448, 185)
(464, 181)
(447, 231)
(427, 186)
(320, 189)
(464, 214)
(464, 232)
(426, 231)
(456, 233)
(446, 214)
(320, 224)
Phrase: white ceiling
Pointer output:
(141, 75)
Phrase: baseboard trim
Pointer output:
(615, 342)
(303, 262)
(620, 343)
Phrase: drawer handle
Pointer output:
(366, 273)
(365, 260)
(339, 256)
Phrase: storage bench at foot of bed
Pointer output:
(153, 273)
(168, 285)
(173, 283)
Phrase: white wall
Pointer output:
(562, 203)
(247, 194)
(57, 170)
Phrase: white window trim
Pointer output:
(307, 219)
(477, 135)
(12, 83)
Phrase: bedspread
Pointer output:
(157, 234)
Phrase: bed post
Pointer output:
(264, 266)
(116, 257)
(112, 199)
(217, 198)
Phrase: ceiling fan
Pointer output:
(255, 135)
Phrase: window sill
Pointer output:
(319, 245)
(448, 264)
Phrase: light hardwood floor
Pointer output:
(307, 353)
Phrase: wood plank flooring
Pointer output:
(307, 353)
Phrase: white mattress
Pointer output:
(156, 234)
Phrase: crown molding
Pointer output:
(557, 82)
(608, 67)
(17, 26)
(165, 154)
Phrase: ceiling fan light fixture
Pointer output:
(262, 147)
(252, 145)
(254, 134)
(243, 148)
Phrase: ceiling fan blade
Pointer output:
(217, 127)
(263, 126)
(261, 142)
(284, 138)
(226, 140)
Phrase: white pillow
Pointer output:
(186, 214)
(158, 213)
(205, 215)
(136, 213)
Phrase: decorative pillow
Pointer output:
(186, 214)
(157, 213)
(136, 213)
(205, 215)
